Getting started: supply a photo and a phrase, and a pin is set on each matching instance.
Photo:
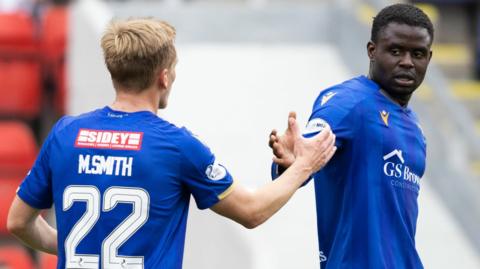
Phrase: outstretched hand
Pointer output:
(283, 145)
(290, 146)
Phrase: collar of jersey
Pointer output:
(140, 113)
(374, 86)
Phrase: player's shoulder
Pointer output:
(164, 128)
(191, 141)
(346, 94)
(66, 121)
(181, 136)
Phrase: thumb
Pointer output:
(293, 126)
(292, 114)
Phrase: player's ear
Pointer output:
(371, 50)
(163, 79)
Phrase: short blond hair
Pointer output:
(135, 49)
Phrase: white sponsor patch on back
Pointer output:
(103, 139)
(315, 126)
(216, 171)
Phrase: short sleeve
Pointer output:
(332, 108)
(36, 188)
(204, 176)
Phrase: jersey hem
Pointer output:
(227, 191)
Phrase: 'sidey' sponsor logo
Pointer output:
(399, 170)
(103, 139)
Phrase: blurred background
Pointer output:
(243, 65)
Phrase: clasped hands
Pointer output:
(315, 152)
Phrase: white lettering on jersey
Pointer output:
(87, 138)
(105, 165)
(322, 256)
(399, 170)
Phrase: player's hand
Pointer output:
(283, 145)
(314, 152)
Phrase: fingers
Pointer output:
(282, 161)
(272, 138)
(330, 154)
(325, 132)
(277, 150)
(326, 137)
(276, 160)
(329, 142)
(326, 157)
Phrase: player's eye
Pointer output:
(395, 52)
(418, 54)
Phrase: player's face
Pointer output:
(399, 59)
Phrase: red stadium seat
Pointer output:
(20, 69)
(17, 34)
(53, 46)
(20, 88)
(47, 261)
(54, 33)
(17, 149)
(8, 189)
(15, 257)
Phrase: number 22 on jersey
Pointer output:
(90, 195)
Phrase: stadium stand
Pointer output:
(20, 88)
(17, 148)
(47, 261)
(457, 52)
(17, 35)
(472, 11)
(15, 257)
(53, 46)
(21, 97)
(32, 90)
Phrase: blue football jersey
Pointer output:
(121, 184)
(366, 196)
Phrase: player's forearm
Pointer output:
(270, 198)
(37, 234)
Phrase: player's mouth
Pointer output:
(405, 80)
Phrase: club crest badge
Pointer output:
(384, 114)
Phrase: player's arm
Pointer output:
(25, 223)
(252, 208)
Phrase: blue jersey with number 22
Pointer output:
(121, 184)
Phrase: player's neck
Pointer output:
(131, 101)
(401, 101)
